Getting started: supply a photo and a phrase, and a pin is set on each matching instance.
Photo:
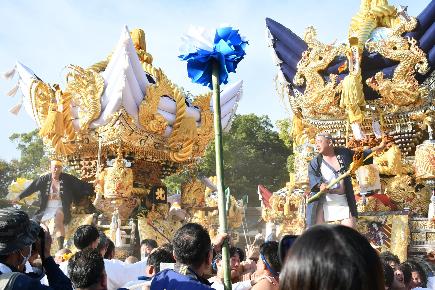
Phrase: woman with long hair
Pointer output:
(332, 257)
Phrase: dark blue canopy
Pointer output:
(289, 48)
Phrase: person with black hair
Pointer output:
(388, 275)
(155, 259)
(103, 243)
(402, 277)
(193, 252)
(86, 270)
(146, 246)
(217, 281)
(236, 256)
(330, 257)
(110, 251)
(158, 256)
(118, 272)
(18, 236)
(418, 275)
(390, 259)
(268, 265)
(86, 236)
(168, 247)
(235, 260)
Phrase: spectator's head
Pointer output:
(236, 256)
(418, 275)
(399, 281)
(332, 257)
(110, 251)
(390, 259)
(402, 277)
(268, 262)
(131, 260)
(60, 255)
(388, 275)
(86, 236)
(17, 234)
(168, 247)
(56, 168)
(103, 243)
(324, 142)
(146, 246)
(86, 270)
(192, 246)
(157, 256)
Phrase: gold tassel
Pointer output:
(53, 124)
(59, 125)
(352, 97)
(297, 130)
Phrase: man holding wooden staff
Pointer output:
(331, 164)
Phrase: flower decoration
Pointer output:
(200, 49)
(67, 256)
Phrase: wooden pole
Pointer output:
(220, 173)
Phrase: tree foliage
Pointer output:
(284, 131)
(7, 175)
(253, 154)
(33, 161)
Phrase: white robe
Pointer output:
(118, 272)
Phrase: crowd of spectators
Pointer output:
(324, 257)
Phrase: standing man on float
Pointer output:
(338, 203)
(57, 191)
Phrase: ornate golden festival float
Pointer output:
(380, 84)
(124, 126)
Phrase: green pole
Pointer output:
(220, 173)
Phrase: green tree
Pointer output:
(33, 160)
(7, 175)
(253, 154)
(284, 131)
(174, 182)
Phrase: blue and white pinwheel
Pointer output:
(202, 47)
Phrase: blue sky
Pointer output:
(48, 35)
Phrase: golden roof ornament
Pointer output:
(123, 102)
(326, 84)
(379, 84)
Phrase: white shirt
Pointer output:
(5, 269)
(118, 272)
(217, 284)
(137, 284)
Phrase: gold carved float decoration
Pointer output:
(122, 124)
(149, 118)
(320, 97)
(375, 87)
(85, 87)
(402, 89)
